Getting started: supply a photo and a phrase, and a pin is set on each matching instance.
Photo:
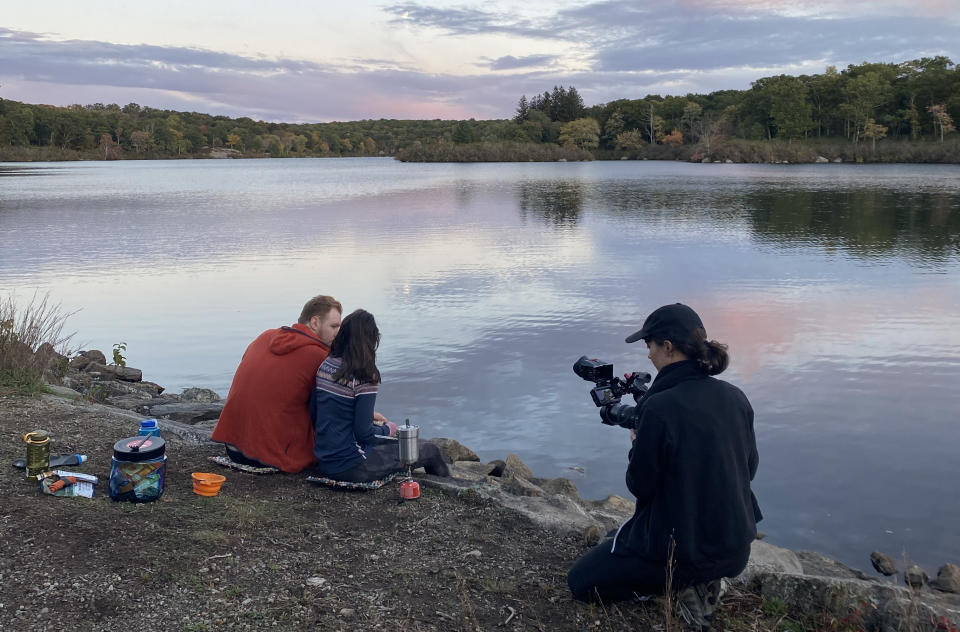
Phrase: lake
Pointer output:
(837, 288)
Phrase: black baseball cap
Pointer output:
(671, 322)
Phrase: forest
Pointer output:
(903, 112)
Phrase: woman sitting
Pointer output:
(349, 445)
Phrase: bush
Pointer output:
(501, 151)
(31, 342)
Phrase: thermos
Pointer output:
(408, 440)
(407, 436)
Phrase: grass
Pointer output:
(32, 343)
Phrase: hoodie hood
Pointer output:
(288, 339)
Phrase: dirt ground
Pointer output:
(276, 552)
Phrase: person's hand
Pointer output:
(393, 428)
(378, 417)
(633, 435)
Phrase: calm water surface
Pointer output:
(837, 288)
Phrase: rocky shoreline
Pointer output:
(803, 581)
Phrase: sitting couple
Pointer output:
(303, 399)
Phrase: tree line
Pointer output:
(858, 106)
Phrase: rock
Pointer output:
(63, 391)
(821, 159)
(616, 504)
(201, 395)
(516, 468)
(474, 554)
(187, 412)
(562, 486)
(483, 469)
(592, 535)
(498, 467)
(125, 373)
(948, 579)
(814, 563)
(129, 402)
(519, 486)
(467, 471)
(883, 563)
(838, 160)
(767, 558)
(83, 358)
(915, 577)
(454, 450)
(880, 606)
(728, 161)
(346, 613)
(79, 382)
(46, 356)
(316, 581)
(150, 387)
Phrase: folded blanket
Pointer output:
(226, 462)
(375, 484)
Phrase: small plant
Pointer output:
(118, 358)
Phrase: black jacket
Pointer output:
(690, 470)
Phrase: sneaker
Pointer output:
(698, 603)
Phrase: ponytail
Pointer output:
(711, 356)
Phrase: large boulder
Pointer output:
(84, 358)
(767, 558)
(200, 395)
(454, 451)
(516, 468)
(113, 371)
(883, 563)
(948, 579)
(186, 412)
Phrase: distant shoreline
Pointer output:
(731, 151)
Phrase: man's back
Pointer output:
(266, 415)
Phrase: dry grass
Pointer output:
(30, 338)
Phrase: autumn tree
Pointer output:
(630, 140)
(873, 131)
(941, 119)
(141, 141)
(673, 138)
(109, 149)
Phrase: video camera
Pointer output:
(609, 389)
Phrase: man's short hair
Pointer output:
(319, 306)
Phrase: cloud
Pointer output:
(466, 21)
(607, 49)
(509, 62)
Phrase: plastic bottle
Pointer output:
(148, 426)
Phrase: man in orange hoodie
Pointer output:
(266, 419)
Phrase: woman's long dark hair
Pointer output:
(711, 356)
(356, 344)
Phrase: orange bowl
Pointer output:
(207, 484)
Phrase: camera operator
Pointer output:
(693, 456)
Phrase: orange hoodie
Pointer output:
(266, 415)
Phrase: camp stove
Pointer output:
(408, 440)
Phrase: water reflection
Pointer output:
(922, 226)
(557, 203)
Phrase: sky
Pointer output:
(318, 61)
